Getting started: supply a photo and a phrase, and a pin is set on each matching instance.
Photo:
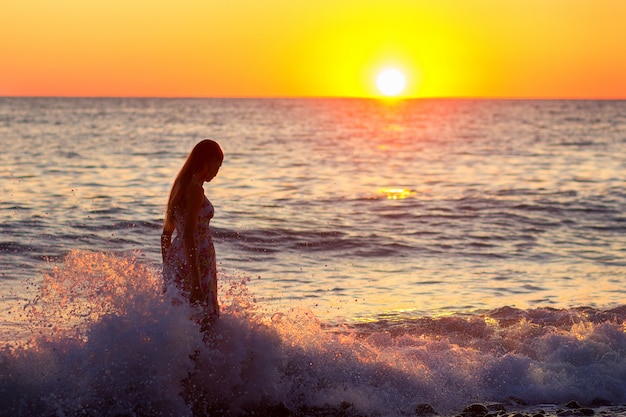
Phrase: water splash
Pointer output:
(105, 340)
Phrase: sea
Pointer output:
(375, 258)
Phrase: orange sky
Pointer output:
(278, 48)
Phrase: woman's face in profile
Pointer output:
(210, 170)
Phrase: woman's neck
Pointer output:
(197, 181)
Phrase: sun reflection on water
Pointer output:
(397, 193)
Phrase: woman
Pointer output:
(189, 260)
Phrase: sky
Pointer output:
(293, 48)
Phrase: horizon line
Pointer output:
(381, 98)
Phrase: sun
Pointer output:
(391, 82)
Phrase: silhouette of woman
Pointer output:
(189, 260)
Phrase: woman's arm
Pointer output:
(195, 196)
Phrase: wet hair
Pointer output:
(205, 151)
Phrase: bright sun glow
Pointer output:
(390, 82)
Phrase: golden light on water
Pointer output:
(397, 193)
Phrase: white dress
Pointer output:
(175, 267)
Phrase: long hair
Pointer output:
(204, 151)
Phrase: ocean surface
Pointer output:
(372, 256)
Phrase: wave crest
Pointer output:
(105, 340)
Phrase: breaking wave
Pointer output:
(103, 339)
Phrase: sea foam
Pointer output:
(104, 339)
